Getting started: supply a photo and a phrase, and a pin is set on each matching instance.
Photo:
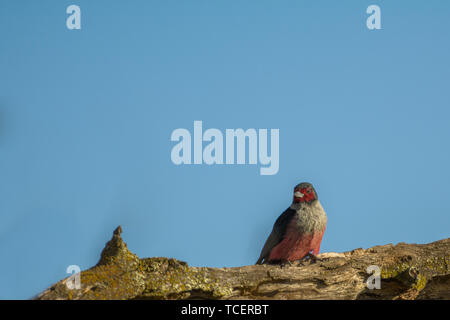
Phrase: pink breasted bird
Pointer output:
(298, 231)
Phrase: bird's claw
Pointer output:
(313, 257)
(286, 263)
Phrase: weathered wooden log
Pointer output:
(408, 271)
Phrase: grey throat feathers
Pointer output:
(310, 216)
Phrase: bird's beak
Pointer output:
(298, 194)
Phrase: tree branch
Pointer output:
(408, 271)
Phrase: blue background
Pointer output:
(86, 117)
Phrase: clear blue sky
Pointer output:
(86, 117)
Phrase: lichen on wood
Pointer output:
(408, 271)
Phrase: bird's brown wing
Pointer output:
(277, 234)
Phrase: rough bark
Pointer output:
(408, 271)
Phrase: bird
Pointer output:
(298, 231)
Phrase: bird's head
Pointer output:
(304, 192)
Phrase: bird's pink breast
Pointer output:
(296, 246)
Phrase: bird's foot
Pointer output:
(309, 257)
(313, 257)
(285, 263)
